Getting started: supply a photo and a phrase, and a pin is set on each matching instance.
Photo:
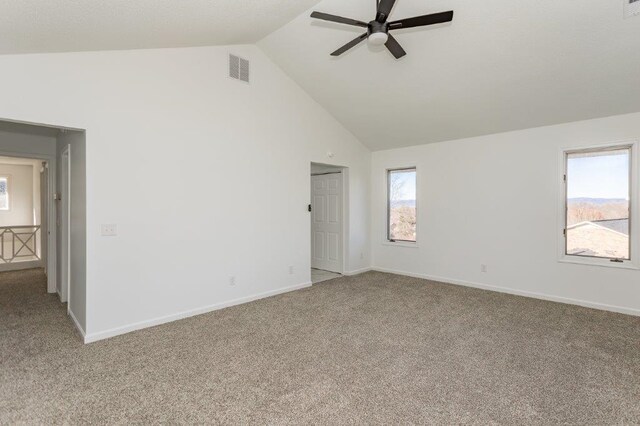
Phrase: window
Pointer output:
(4, 193)
(631, 8)
(401, 205)
(597, 203)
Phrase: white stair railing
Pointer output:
(19, 243)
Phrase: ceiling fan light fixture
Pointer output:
(378, 29)
(378, 39)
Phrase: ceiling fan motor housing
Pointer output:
(377, 33)
(377, 27)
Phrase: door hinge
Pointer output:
(309, 207)
(564, 232)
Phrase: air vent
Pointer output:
(631, 8)
(238, 68)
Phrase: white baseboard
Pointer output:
(94, 337)
(77, 324)
(18, 266)
(534, 295)
(356, 272)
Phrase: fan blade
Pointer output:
(419, 21)
(349, 45)
(384, 9)
(394, 47)
(338, 19)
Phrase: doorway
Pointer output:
(327, 222)
(55, 234)
(22, 224)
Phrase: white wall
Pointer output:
(21, 195)
(494, 200)
(165, 126)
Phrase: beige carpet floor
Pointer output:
(374, 348)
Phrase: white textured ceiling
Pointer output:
(28, 26)
(501, 65)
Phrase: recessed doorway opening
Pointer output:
(43, 209)
(327, 221)
(22, 212)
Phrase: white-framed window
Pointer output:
(402, 218)
(599, 214)
(4, 193)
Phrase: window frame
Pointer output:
(387, 231)
(8, 178)
(634, 217)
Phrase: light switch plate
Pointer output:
(109, 230)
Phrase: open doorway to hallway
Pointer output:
(327, 221)
(43, 209)
(21, 213)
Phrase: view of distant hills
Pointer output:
(403, 203)
(597, 200)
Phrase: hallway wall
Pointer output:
(21, 195)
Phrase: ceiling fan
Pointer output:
(378, 29)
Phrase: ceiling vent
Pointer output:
(238, 68)
(631, 8)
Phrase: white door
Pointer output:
(326, 222)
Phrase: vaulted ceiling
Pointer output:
(28, 26)
(500, 65)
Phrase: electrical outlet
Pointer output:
(291, 270)
(109, 230)
(483, 268)
(232, 281)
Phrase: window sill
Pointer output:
(601, 263)
(400, 244)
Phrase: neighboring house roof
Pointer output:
(619, 225)
(592, 239)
